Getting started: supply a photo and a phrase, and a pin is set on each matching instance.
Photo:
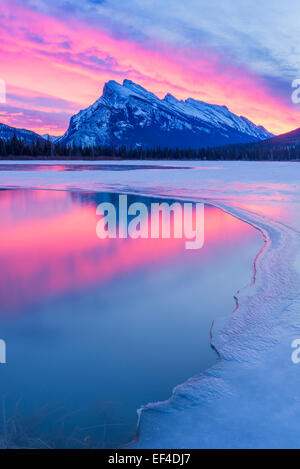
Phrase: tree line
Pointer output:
(16, 148)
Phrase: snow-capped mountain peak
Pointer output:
(128, 114)
(169, 98)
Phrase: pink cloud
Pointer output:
(44, 56)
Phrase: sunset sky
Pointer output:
(56, 56)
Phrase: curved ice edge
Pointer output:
(228, 331)
(183, 390)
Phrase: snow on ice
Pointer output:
(250, 398)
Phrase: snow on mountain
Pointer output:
(6, 133)
(130, 115)
(51, 138)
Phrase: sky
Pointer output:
(56, 56)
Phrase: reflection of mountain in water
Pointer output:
(93, 198)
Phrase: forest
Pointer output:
(18, 149)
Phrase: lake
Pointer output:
(97, 328)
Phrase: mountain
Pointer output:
(51, 138)
(7, 133)
(130, 115)
(288, 139)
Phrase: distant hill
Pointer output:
(290, 138)
(7, 133)
(283, 147)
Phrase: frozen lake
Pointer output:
(249, 398)
(97, 328)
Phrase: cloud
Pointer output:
(224, 52)
(264, 36)
(35, 120)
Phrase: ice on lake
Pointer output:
(247, 399)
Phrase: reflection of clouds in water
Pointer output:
(84, 167)
(60, 252)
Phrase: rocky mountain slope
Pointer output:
(130, 115)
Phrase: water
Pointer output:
(96, 328)
(83, 167)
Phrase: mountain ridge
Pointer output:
(7, 133)
(288, 138)
(130, 115)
